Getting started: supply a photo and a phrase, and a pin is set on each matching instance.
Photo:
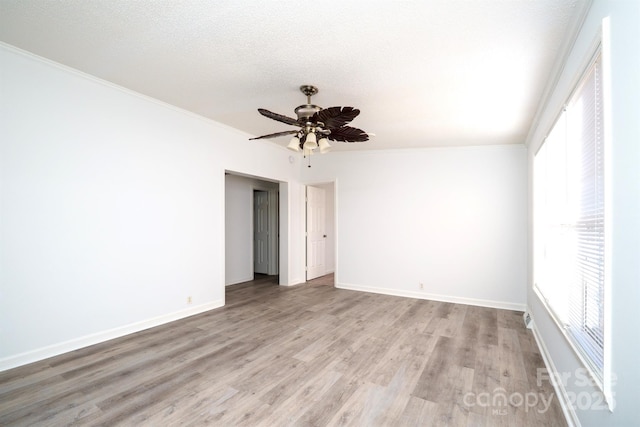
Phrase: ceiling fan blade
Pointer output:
(275, 135)
(348, 134)
(335, 117)
(278, 117)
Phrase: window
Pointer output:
(569, 220)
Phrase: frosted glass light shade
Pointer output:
(294, 144)
(323, 143)
(310, 142)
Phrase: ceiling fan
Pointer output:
(317, 125)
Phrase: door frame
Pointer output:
(283, 220)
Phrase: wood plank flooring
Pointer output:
(310, 355)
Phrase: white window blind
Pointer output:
(569, 226)
(586, 299)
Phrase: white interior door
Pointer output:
(261, 232)
(316, 232)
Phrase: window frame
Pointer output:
(599, 51)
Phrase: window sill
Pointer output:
(599, 385)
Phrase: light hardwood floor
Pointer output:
(310, 355)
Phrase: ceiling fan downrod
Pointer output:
(308, 91)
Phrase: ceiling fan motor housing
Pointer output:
(306, 111)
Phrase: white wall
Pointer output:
(451, 219)
(239, 226)
(624, 200)
(112, 209)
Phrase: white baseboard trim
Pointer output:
(293, 284)
(294, 281)
(87, 340)
(235, 282)
(435, 297)
(561, 392)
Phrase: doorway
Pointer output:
(251, 227)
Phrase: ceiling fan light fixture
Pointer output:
(310, 142)
(306, 111)
(323, 143)
(294, 144)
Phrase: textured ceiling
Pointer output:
(423, 73)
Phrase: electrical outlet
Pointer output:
(421, 286)
(188, 300)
